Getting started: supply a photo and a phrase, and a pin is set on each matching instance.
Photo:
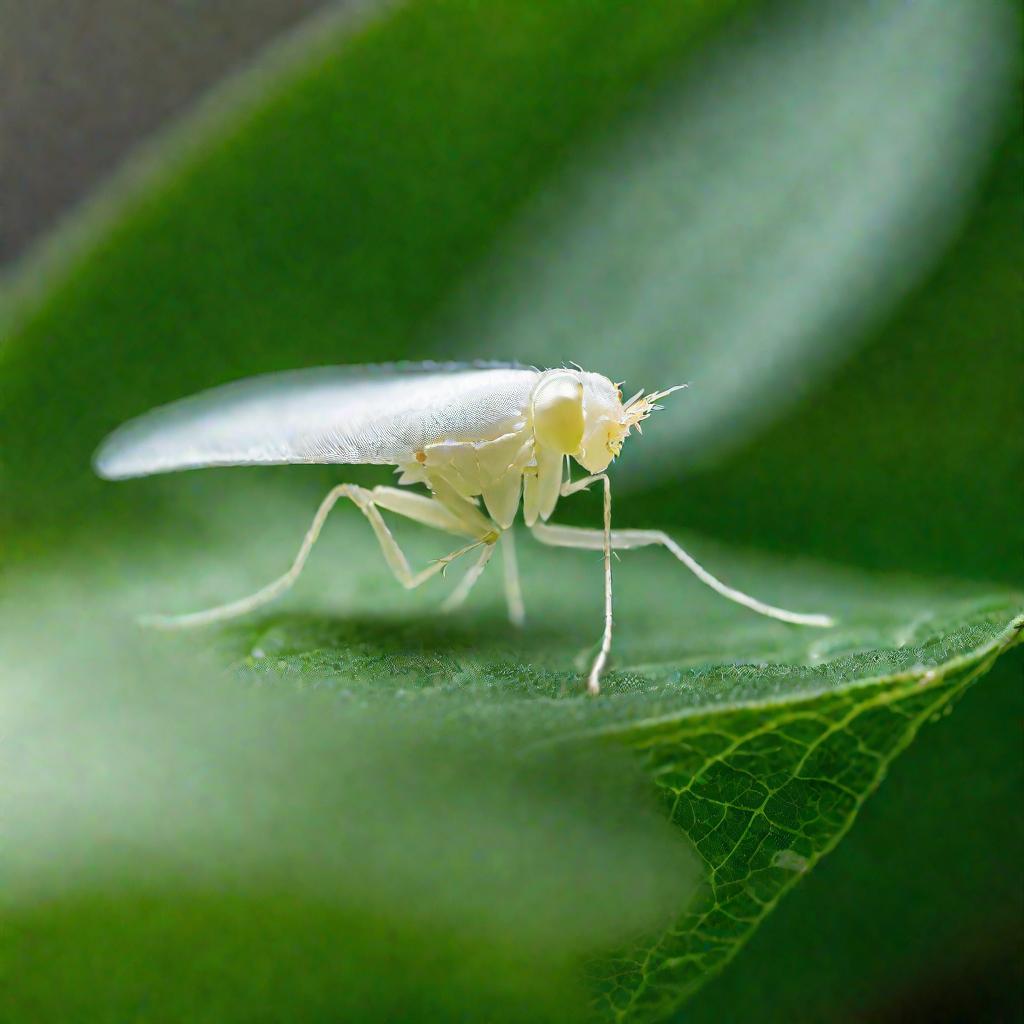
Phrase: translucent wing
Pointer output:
(365, 414)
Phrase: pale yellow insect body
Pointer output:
(483, 440)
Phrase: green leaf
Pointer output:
(765, 794)
(926, 407)
(929, 914)
(763, 740)
(382, 813)
(213, 852)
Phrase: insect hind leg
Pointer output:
(420, 509)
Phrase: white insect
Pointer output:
(481, 438)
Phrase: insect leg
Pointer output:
(601, 539)
(455, 515)
(458, 596)
(513, 591)
(431, 512)
(272, 590)
(583, 484)
(467, 511)
(624, 540)
(594, 678)
(366, 502)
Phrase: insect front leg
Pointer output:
(602, 540)
(624, 540)
(594, 678)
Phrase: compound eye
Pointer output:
(558, 413)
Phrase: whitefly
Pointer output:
(472, 444)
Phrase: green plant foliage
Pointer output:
(189, 849)
(923, 896)
(764, 795)
(326, 225)
(763, 768)
(763, 740)
(924, 910)
(352, 807)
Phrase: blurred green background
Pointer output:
(812, 212)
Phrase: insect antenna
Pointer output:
(640, 406)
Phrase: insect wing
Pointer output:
(333, 414)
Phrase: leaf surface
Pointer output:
(762, 739)
(373, 784)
